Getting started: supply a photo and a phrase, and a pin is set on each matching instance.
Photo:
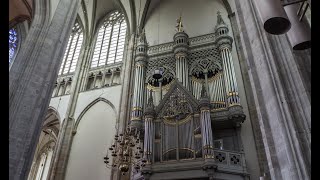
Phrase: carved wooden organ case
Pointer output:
(197, 90)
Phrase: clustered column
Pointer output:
(181, 46)
(139, 85)
(205, 120)
(224, 42)
(149, 129)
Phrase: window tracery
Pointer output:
(71, 55)
(110, 42)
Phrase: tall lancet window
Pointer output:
(13, 44)
(109, 46)
(71, 55)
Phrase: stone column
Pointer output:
(94, 80)
(149, 130)
(61, 154)
(205, 120)
(32, 78)
(180, 48)
(139, 85)
(280, 83)
(112, 76)
(103, 79)
(224, 42)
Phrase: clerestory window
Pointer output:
(71, 55)
(110, 42)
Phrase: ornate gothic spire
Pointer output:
(150, 106)
(150, 100)
(221, 27)
(204, 99)
(203, 92)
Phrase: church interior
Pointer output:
(160, 90)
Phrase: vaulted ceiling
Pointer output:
(136, 11)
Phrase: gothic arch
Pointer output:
(23, 10)
(84, 30)
(48, 138)
(107, 14)
(85, 110)
(54, 111)
(147, 13)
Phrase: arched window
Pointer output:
(109, 46)
(13, 44)
(72, 52)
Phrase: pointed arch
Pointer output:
(54, 111)
(73, 49)
(151, 5)
(109, 39)
(85, 110)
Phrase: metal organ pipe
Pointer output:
(180, 53)
(224, 42)
(139, 85)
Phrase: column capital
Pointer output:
(224, 41)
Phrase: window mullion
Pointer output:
(115, 56)
(102, 42)
(110, 39)
(65, 62)
(75, 47)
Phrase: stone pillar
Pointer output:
(32, 77)
(180, 49)
(224, 42)
(280, 83)
(56, 93)
(61, 154)
(205, 120)
(94, 80)
(103, 78)
(149, 130)
(112, 76)
(139, 85)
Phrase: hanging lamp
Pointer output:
(274, 18)
(300, 33)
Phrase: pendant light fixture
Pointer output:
(274, 18)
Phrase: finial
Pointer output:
(203, 91)
(179, 26)
(150, 99)
(142, 36)
(220, 20)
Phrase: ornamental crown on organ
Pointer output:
(179, 127)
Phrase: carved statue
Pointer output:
(179, 26)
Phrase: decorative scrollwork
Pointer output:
(177, 107)
(205, 65)
(167, 77)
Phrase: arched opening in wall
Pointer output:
(95, 128)
(44, 152)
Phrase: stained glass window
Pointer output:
(13, 43)
(109, 46)
(71, 55)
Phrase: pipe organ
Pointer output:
(196, 86)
